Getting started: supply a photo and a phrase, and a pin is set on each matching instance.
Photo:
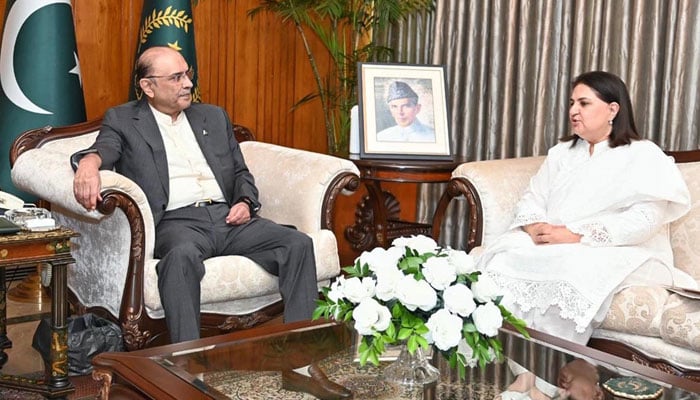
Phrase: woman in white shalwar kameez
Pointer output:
(593, 220)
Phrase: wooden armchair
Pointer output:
(114, 275)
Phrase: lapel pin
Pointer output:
(204, 132)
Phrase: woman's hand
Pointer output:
(544, 233)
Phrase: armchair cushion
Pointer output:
(637, 310)
(685, 232)
(680, 322)
(247, 280)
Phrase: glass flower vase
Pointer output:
(411, 369)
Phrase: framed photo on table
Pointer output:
(403, 111)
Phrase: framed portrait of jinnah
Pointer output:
(403, 111)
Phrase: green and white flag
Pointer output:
(167, 23)
(40, 81)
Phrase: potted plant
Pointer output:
(348, 30)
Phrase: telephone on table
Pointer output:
(16, 215)
(9, 201)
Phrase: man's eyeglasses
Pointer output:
(176, 77)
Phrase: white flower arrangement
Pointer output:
(421, 294)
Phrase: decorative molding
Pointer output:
(134, 337)
(365, 233)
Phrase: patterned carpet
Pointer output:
(365, 382)
(85, 388)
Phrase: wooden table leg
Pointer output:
(5, 342)
(380, 215)
(59, 328)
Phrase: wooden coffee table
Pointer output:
(251, 360)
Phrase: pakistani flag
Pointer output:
(40, 80)
(167, 23)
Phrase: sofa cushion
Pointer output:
(636, 310)
(685, 232)
(234, 277)
(680, 322)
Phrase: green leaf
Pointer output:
(374, 358)
(404, 333)
(397, 310)
(318, 313)
(422, 342)
(517, 323)
(391, 332)
(495, 344)
(412, 344)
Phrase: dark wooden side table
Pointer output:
(27, 249)
(377, 220)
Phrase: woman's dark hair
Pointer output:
(610, 88)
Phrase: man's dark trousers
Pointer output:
(185, 237)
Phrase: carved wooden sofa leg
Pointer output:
(106, 378)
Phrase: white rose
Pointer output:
(464, 349)
(371, 316)
(388, 281)
(485, 289)
(416, 294)
(357, 290)
(438, 272)
(463, 263)
(487, 318)
(421, 243)
(380, 258)
(445, 329)
(336, 290)
(459, 299)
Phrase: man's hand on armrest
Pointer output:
(86, 183)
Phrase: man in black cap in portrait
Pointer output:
(404, 107)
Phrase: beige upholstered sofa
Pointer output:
(650, 325)
(114, 274)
